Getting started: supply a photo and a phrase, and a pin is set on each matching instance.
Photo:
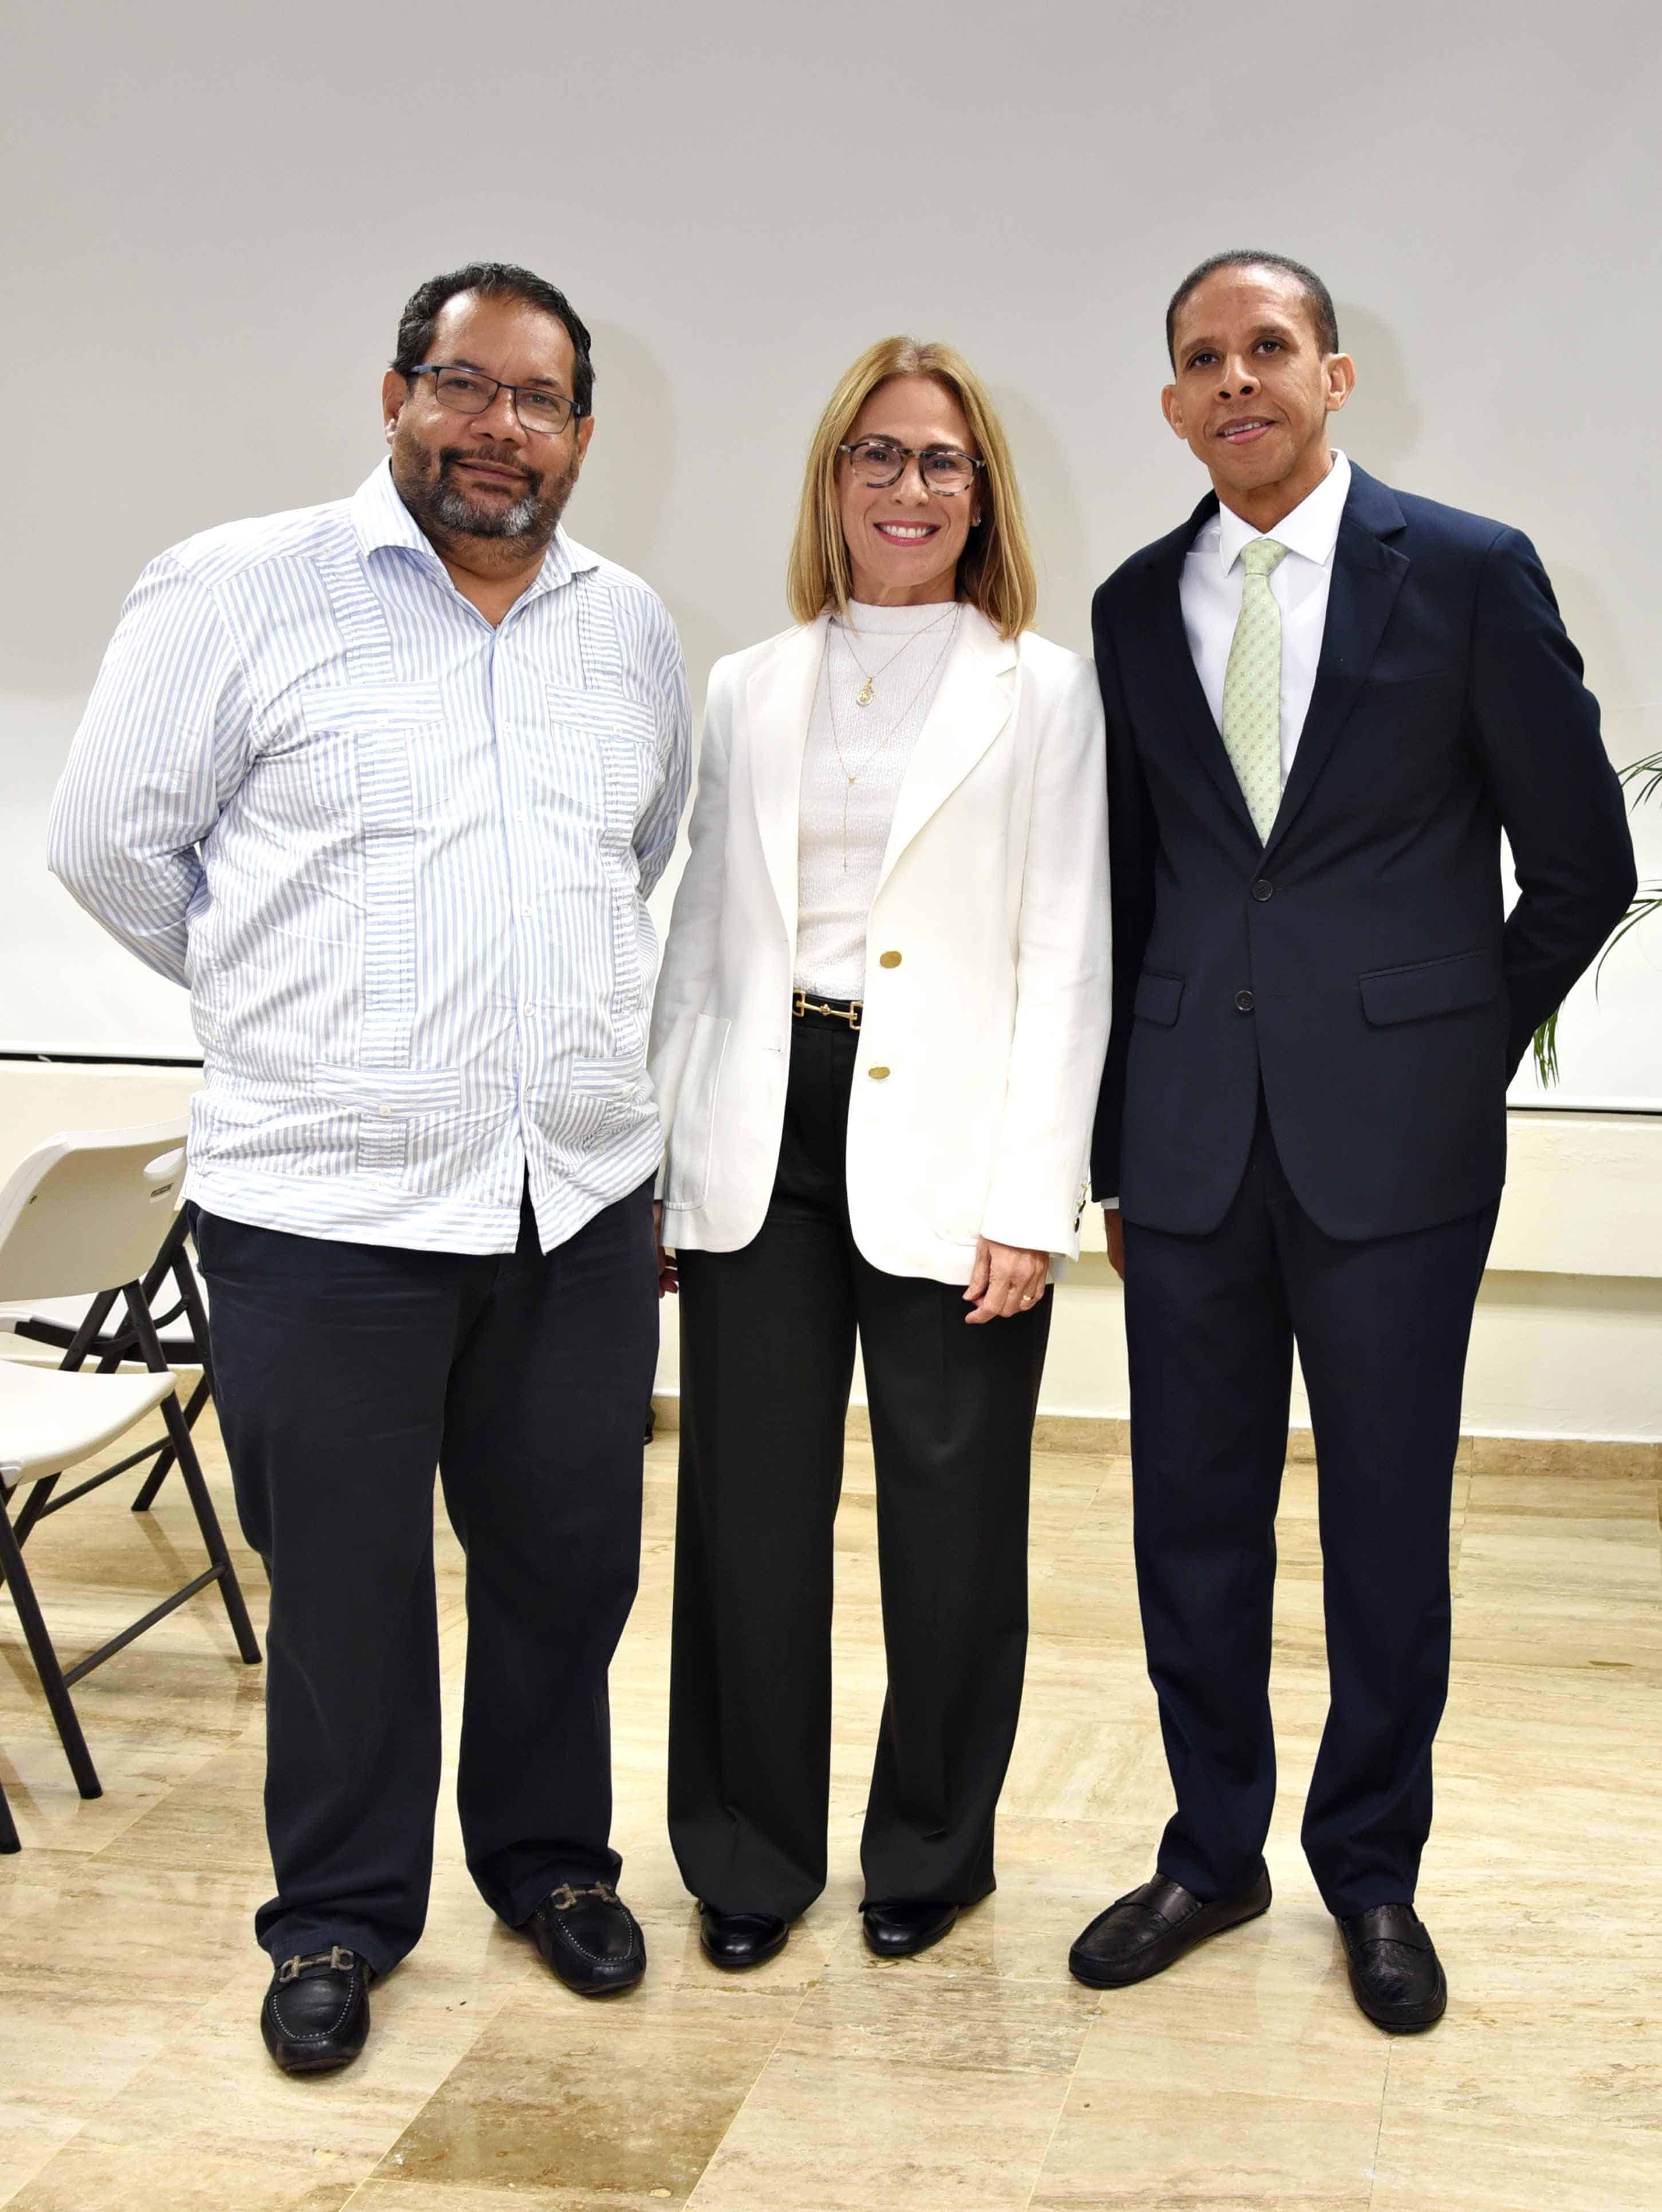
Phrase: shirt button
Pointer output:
(888, 960)
(526, 911)
(528, 1010)
(1263, 889)
(1243, 1002)
(386, 1112)
(877, 1074)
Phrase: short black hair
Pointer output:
(1318, 298)
(494, 280)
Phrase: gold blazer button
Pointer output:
(888, 960)
(876, 1073)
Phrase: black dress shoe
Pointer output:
(590, 1939)
(734, 1941)
(316, 2013)
(1395, 1973)
(896, 1931)
(1150, 1929)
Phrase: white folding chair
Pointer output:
(83, 1327)
(89, 1208)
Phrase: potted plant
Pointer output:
(1647, 773)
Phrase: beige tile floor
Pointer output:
(975, 2079)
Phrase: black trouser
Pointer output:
(768, 1348)
(345, 1373)
(1382, 1328)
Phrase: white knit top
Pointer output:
(843, 832)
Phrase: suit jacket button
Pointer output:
(1244, 1002)
(876, 1073)
(888, 960)
(1262, 890)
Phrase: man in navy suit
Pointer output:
(1326, 701)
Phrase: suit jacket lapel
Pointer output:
(1176, 664)
(1368, 574)
(977, 693)
(779, 698)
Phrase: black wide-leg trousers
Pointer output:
(767, 1337)
(1382, 1328)
(346, 1373)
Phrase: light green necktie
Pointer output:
(1251, 687)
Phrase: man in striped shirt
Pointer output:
(385, 784)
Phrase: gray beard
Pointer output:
(445, 511)
(453, 510)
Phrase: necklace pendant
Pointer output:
(863, 698)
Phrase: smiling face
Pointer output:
(478, 481)
(904, 540)
(1253, 390)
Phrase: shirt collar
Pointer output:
(380, 518)
(1311, 529)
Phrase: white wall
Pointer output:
(214, 213)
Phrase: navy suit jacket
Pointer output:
(1360, 965)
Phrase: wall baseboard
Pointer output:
(1482, 1455)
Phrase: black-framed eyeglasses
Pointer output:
(879, 461)
(470, 391)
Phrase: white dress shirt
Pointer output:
(400, 858)
(1211, 586)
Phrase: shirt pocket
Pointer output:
(603, 760)
(334, 772)
(391, 1103)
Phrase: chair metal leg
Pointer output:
(174, 1255)
(163, 1463)
(13, 1571)
(196, 1484)
(9, 1838)
(33, 1506)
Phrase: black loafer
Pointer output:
(590, 1939)
(1151, 1928)
(897, 1931)
(1396, 1976)
(733, 1941)
(316, 2013)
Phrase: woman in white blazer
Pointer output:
(876, 1044)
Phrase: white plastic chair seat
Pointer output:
(69, 1312)
(50, 1420)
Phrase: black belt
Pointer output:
(846, 1010)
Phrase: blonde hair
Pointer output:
(995, 570)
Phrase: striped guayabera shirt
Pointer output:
(401, 861)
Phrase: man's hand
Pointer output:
(667, 1277)
(1007, 1279)
(1113, 1228)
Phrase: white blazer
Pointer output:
(987, 976)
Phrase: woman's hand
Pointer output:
(1007, 1279)
(667, 1277)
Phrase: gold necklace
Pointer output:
(862, 697)
(882, 743)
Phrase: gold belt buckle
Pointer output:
(802, 1004)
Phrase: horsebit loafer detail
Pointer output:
(1395, 1973)
(590, 1939)
(1151, 1928)
(897, 1931)
(734, 1941)
(316, 2013)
